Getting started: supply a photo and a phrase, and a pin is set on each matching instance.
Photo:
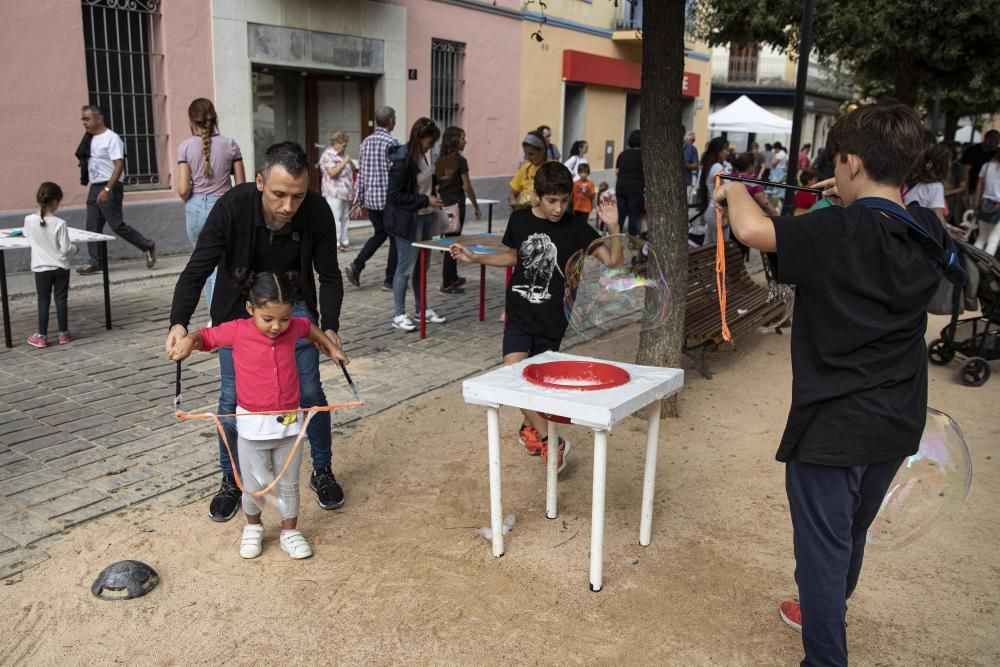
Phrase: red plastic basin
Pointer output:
(576, 375)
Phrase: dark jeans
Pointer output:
(110, 212)
(832, 508)
(373, 244)
(629, 209)
(311, 394)
(449, 272)
(45, 283)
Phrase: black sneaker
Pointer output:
(226, 501)
(329, 495)
(150, 255)
(386, 287)
(460, 281)
(352, 276)
(87, 269)
(453, 288)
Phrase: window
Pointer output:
(447, 59)
(122, 78)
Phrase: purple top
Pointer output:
(752, 188)
(225, 152)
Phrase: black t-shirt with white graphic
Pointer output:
(538, 284)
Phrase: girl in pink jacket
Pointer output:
(267, 379)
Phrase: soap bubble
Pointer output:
(931, 484)
(600, 298)
(779, 293)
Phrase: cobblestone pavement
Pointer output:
(87, 429)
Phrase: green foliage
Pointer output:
(906, 49)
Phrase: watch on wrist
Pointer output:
(107, 189)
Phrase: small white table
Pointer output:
(600, 410)
(18, 242)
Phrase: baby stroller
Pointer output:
(976, 340)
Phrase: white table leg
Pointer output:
(649, 476)
(552, 472)
(496, 502)
(597, 511)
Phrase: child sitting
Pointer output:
(806, 200)
(50, 248)
(267, 379)
(583, 194)
(859, 362)
(539, 242)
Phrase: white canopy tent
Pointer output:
(744, 115)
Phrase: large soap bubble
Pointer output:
(779, 293)
(600, 298)
(931, 484)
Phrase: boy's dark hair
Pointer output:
(932, 166)
(634, 139)
(266, 287)
(583, 166)
(553, 178)
(288, 155)
(887, 137)
(778, 146)
(743, 162)
(48, 194)
(768, 147)
(807, 177)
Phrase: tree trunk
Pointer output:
(663, 167)
(906, 83)
(950, 124)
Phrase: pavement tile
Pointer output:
(66, 417)
(81, 458)
(35, 444)
(102, 468)
(14, 425)
(115, 482)
(8, 456)
(15, 562)
(30, 481)
(48, 491)
(69, 502)
(18, 468)
(61, 450)
(107, 427)
(118, 438)
(176, 467)
(7, 544)
(26, 528)
(40, 431)
(93, 511)
(145, 490)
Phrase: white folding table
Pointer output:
(11, 239)
(600, 410)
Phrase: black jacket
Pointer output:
(227, 242)
(402, 201)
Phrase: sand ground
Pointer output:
(401, 576)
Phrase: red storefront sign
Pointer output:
(581, 67)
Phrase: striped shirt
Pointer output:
(373, 171)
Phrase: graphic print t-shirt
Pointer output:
(538, 284)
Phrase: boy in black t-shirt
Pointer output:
(539, 242)
(859, 363)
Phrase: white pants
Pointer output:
(989, 237)
(341, 216)
(260, 461)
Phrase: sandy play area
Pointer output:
(400, 575)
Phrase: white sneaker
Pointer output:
(295, 545)
(253, 536)
(403, 322)
(431, 317)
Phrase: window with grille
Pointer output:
(447, 82)
(123, 67)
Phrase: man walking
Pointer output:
(373, 183)
(691, 165)
(105, 168)
(275, 224)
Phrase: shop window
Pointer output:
(123, 79)
(447, 82)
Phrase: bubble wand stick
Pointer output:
(754, 181)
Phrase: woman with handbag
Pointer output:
(409, 214)
(988, 206)
(452, 174)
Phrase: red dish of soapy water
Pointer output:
(576, 375)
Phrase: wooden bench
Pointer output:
(747, 308)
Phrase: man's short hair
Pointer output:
(384, 116)
(553, 178)
(992, 134)
(288, 155)
(634, 139)
(94, 109)
(888, 138)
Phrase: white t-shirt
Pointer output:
(782, 166)
(928, 195)
(267, 427)
(50, 244)
(989, 175)
(573, 163)
(105, 148)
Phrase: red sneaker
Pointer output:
(66, 337)
(530, 439)
(37, 340)
(563, 453)
(791, 614)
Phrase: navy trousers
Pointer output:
(832, 508)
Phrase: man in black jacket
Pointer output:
(276, 224)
